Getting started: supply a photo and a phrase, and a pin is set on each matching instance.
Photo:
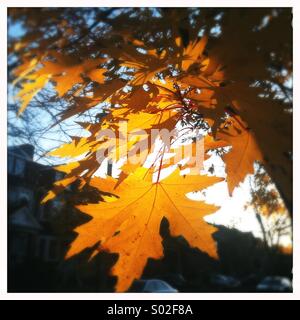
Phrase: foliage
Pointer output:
(223, 71)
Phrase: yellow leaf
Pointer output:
(192, 52)
(130, 225)
(59, 186)
(73, 149)
(245, 151)
(30, 89)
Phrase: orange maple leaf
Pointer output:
(245, 151)
(130, 225)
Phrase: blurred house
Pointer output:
(29, 230)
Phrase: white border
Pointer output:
(3, 148)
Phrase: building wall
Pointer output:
(30, 232)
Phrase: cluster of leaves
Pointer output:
(155, 68)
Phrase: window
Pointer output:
(59, 175)
(10, 164)
(41, 212)
(41, 248)
(19, 167)
(48, 248)
(53, 251)
(16, 166)
(45, 211)
(19, 245)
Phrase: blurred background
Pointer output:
(255, 249)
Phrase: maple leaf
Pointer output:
(244, 152)
(65, 71)
(192, 52)
(30, 89)
(92, 146)
(59, 187)
(146, 65)
(131, 228)
(255, 111)
(104, 93)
